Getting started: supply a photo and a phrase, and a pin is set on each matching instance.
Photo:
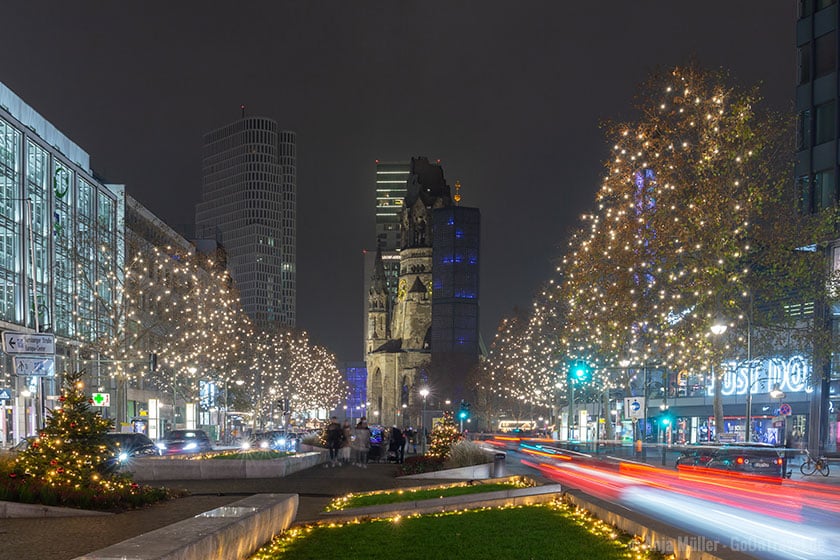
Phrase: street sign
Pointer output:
(101, 399)
(25, 343)
(5, 394)
(785, 410)
(634, 407)
(34, 367)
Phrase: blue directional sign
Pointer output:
(634, 407)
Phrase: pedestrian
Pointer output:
(397, 445)
(361, 442)
(411, 438)
(334, 437)
(344, 452)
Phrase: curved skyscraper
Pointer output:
(249, 197)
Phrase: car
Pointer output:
(185, 441)
(131, 444)
(696, 456)
(759, 459)
(277, 440)
(128, 445)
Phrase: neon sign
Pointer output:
(760, 375)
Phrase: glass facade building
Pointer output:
(391, 179)
(455, 280)
(249, 194)
(59, 246)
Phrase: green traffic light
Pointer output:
(580, 372)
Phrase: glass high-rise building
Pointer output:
(249, 194)
(391, 181)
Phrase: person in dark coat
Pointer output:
(334, 436)
(397, 444)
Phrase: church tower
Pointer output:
(378, 306)
(394, 364)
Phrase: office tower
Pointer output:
(249, 193)
(391, 181)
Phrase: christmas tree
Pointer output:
(443, 435)
(71, 448)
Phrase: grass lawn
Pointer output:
(253, 455)
(411, 495)
(538, 532)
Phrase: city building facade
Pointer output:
(816, 175)
(61, 232)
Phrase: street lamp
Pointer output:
(25, 393)
(718, 327)
(424, 392)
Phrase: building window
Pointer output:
(824, 189)
(825, 122)
(825, 4)
(825, 54)
(803, 191)
(803, 57)
(803, 130)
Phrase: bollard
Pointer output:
(498, 465)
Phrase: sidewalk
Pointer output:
(67, 538)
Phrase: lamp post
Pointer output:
(718, 328)
(424, 392)
(748, 427)
(25, 393)
(777, 393)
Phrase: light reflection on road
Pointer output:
(762, 516)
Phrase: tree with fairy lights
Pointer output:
(444, 434)
(71, 447)
(693, 222)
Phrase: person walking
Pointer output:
(334, 437)
(361, 442)
(344, 452)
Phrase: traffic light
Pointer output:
(464, 413)
(667, 418)
(580, 372)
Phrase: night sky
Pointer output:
(508, 95)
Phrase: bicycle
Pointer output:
(810, 465)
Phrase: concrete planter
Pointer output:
(165, 468)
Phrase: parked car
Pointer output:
(696, 456)
(748, 458)
(751, 459)
(185, 441)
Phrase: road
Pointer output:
(767, 518)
